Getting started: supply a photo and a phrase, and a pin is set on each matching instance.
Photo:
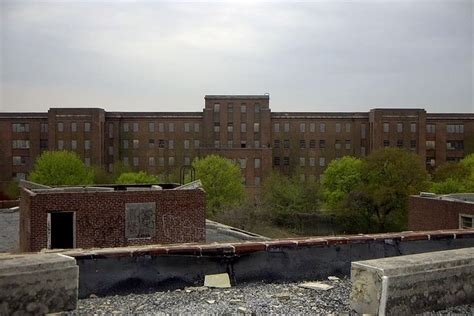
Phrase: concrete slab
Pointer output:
(316, 286)
(412, 284)
(220, 280)
(38, 283)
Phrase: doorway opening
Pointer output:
(61, 231)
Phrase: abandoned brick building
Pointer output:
(99, 217)
(239, 127)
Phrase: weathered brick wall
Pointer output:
(100, 217)
(430, 214)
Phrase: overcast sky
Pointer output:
(165, 56)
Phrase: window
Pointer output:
(21, 144)
(196, 127)
(338, 144)
(386, 128)
(43, 144)
(431, 128)
(111, 150)
(348, 127)
(256, 144)
(257, 108)
(322, 161)
(186, 144)
(302, 127)
(458, 129)
(302, 144)
(257, 163)
(125, 144)
(187, 161)
(60, 127)
(256, 127)
(322, 143)
(217, 107)
(230, 144)
(60, 144)
(430, 144)
(22, 127)
(466, 221)
(125, 127)
(362, 131)
(135, 127)
(312, 161)
(196, 143)
(171, 127)
(186, 127)
(135, 161)
(217, 127)
(362, 151)
(44, 127)
(20, 175)
(312, 127)
(73, 127)
(151, 161)
(412, 144)
(243, 127)
(19, 160)
(312, 144)
(125, 161)
(243, 108)
(455, 144)
(87, 127)
(399, 127)
(151, 127)
(217, 144)
(413, 127)
(151, 143)
(322, 128)
(230, 108)
(111, 130)
(136, 143)
(161, 127)
(161, 161)
(87, 161)
(243, 163)
(286, 143)
(276, 161)
(400, 143)
(87, 144)
(257, 181)
(286, 127)
(276, 127)
(276, 143)
(338, 127)
(73, 144)
(171, 144)
(286, 161)
(386, 143)
(348, 144)
(302, 161)
(243, 144)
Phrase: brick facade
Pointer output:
(239, 127)
(100, 217)
(426, 213)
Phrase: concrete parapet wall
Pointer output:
(36, 284)
(413, 284)
(105, 270)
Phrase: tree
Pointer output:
(136, 178)
(61, 168)
(454, 177)
(287, 196)
(222, 181)
(101, 176)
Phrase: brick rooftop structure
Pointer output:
(239, 127)
(431, 212)
(97, 217)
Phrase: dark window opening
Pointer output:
(62, 230)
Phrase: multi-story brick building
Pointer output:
(239, 127)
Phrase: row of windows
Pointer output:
(134, 127)
(161, 143)
(450, 128)
(386, 127)
(386, 143)
(20, 144)
(243, 127)
(450, 144)
(285, 161)
(87, 144)
(156, 161)
(230, 107)
(312, 144)
(87, 127)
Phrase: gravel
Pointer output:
(250, 298)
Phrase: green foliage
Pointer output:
(101, 176)
(136, 178)
(222, 181)
(341, 177)
(118, 169)
(285, 196)
(12, 190)
(61, 168)
(372, 194)
(454, 177)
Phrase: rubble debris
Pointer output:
(220, 280)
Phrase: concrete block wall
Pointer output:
(100, 217)
(277, 260)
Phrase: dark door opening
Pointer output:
(62, 230)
